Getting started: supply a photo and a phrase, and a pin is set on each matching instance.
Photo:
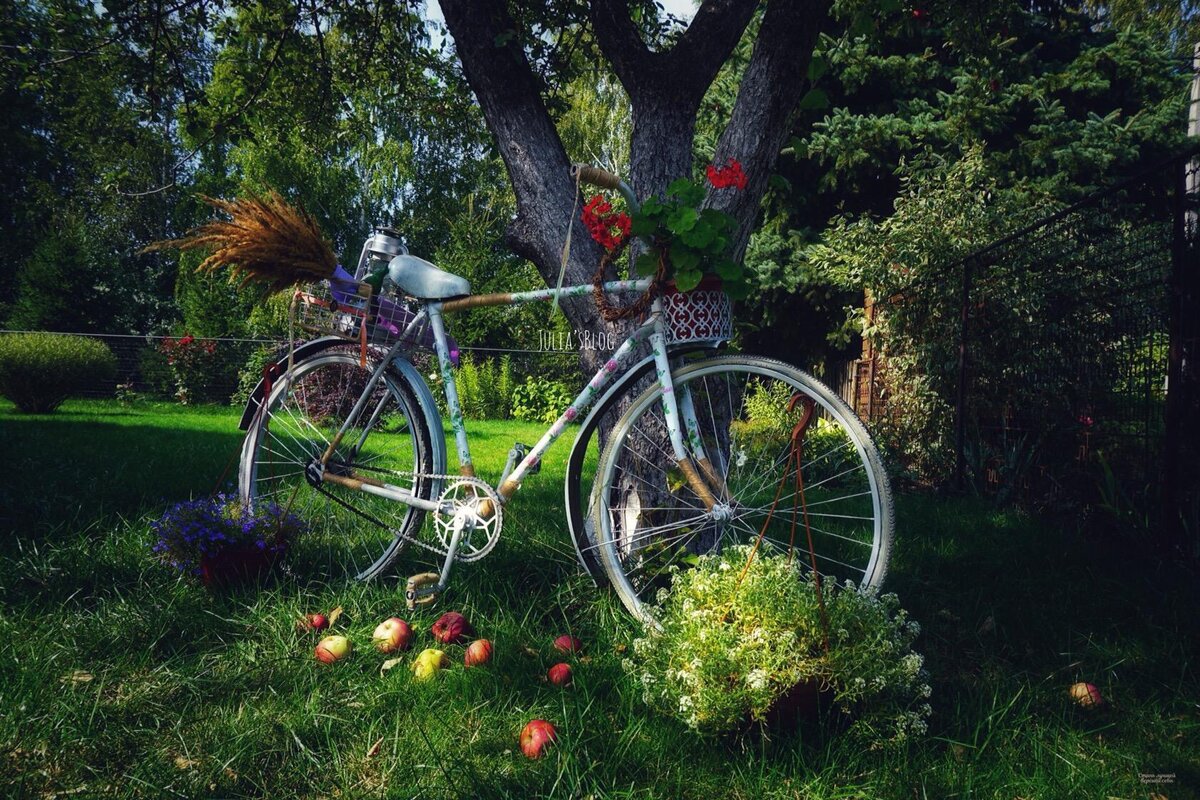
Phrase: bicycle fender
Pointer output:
(403, 366)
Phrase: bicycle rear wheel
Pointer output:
(649, 520)
(350, 532)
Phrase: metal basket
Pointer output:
(353, 312)
(704, 315)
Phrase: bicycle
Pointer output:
(695, 460)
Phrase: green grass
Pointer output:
(119, 678)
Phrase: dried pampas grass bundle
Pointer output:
(264, 240)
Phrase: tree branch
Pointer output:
(489, 47)
(775, 81)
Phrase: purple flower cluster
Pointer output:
(196, 529)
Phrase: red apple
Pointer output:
(568, 644)
(333, 648)
(391, 635)
(451, 628)
(312, 622)
(560, 674)
(479, 652)
(536, 736)
(1086, 695)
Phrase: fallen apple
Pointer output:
(451, 628)
(333, 648)
(429, 663)
(568, 644)
(536, 736)
(560, 675)
(479, 652)
(1086, 695)
(391, 635)
(312, 622)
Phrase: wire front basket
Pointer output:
(352, 311)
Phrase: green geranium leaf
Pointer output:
(688, 279)
(646, 264)
(682, 219)
(728, 269)
(699, 236)
(684, 258)
(678, 186)
(736, 289)
(817, 67)
(651, 206)
(643, 225)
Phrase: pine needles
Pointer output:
(264, 240)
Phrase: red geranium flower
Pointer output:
(729, 175)
(608, 228)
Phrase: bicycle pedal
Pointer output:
(537, 465)
(417, 592)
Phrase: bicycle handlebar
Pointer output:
(595, 176)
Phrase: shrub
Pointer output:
(204, 369)
(40, 370)
(485, 387)
(540, 400)
(728, 651)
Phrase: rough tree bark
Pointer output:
(665, 89)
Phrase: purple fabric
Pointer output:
(389, 315)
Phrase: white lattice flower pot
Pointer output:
(701, 315)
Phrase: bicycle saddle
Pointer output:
(418, 278)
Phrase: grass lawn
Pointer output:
(119, 678)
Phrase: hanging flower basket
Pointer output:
(703, 315)
(224, 541)
(239, 565)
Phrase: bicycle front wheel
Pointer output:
(351, 533)
(739, 414)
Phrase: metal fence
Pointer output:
(225, 368)
(1059, 355)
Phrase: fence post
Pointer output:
(1180, 488)
(960, 400)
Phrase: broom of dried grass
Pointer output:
(264, 240)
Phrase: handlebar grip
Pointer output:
(595, 176)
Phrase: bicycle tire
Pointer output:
(370, 532)
(675, 530)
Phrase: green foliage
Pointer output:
(690, 241)
(1061, 100)
(485, 387)
(947, 211)
(213, 305)
(40, 370)
(251, 373)
(540, 399)
(732, 646)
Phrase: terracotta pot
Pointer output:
(238, 565)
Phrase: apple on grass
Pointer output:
(536, 737)
(1086, 695)
(479, 652)
(333, 648)
(429, 663)
(560, 675)
(391, 635)
(451, 628)
(312, 622)
(567, 644)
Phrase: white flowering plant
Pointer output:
(727, 652)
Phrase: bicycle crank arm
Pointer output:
(367, 485)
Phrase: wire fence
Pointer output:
(225, 369)
(1054, 360)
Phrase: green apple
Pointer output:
(429, 663)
